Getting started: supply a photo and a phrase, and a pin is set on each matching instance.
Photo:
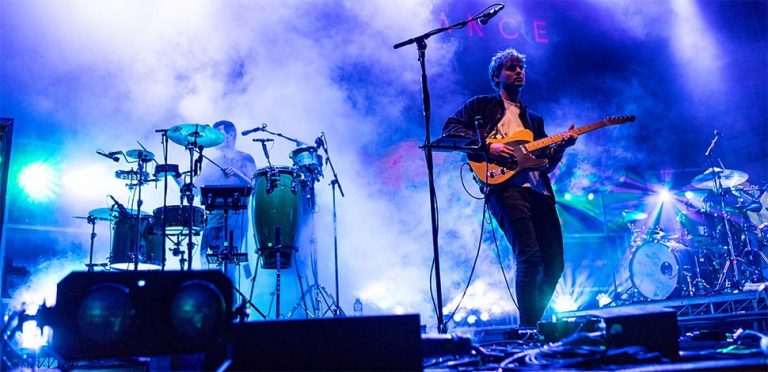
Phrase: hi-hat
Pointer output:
(728, 178)
(195, 134)
(140, 155)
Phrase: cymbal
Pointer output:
(104, 214)
(728, 178)
(140, 155)
(195, 134)
(110, 214)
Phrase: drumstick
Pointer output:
(222, 169)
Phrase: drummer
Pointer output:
(236, 166)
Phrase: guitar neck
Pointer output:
(551, 140)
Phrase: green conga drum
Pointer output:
(277, 214)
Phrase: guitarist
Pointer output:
(523, 205)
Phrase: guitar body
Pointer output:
(494, 173)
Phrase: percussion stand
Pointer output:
(718, 188)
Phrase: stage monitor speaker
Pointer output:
(652, 327)
(360, 343)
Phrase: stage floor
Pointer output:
(718, 332)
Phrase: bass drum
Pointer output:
(278, 214)
(662, 270)
(150, 255)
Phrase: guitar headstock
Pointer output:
(619, 119)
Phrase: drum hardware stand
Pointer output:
(718, 188)
(188, 196)
(137, 249)
(278, 249)
(176, 252)
(241, 312)
(334, 183)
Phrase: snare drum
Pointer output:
(277, 213)
(177, 219)
(308, 162)
(125, 230)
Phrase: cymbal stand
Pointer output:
(140, 180)
(188, 196)
(92, 221)
(334, 183)
(718, 188)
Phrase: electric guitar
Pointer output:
(523, 148)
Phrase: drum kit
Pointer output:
(281, 198)
(721, 246)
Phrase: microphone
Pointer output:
(712, 144)
(257, 129)
(112, 155)
(319, 140)
(120, 207)
(263, 140)
(485, 17)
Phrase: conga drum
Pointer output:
(277, 214)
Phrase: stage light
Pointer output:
(197, 309)
(591, 196)
(484, 316)
(603, 299)
(106, 313)
(139, 313)
(39, 182)
(33, 337)
(664, 195)
(564, 303)
(472, 319)
(689, 195)
(458, 317)
(567, 196)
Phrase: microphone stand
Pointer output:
(294, 140)
(421, 44)
(718, 188)
(164, 144)
(335, 182)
